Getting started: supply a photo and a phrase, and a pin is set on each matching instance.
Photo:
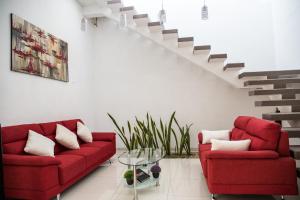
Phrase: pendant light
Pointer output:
(162, 14)
(84, 24)
(123, 21)
(204, 12)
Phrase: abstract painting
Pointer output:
(33, 51)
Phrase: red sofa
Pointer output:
(42, 177)
(266, 169)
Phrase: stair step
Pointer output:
(295, 152)
(269, 73)
(202, 49)
(288, 91)
(217, 57)
(139, 16)
(154, 27)
(233, 66)
(298, 172)
(127, 8)
(282, 116)
(141, 19)
(272, 81)
(113, 2)
(170, 33)
(185, 41)
(293, 132)
(283, 102)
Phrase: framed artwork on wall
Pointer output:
(36, 52)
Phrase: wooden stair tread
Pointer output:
(127, 8)
(139, 16)
(217, 56)
(275, 91)
(272, 81)
(113, 2)
(185, 39)
(233, 65)
(269, 73)
(202, 47)
(282, 102)
(282, 116)
(294, 132)
(169, 31)
(295, 152)
(154, 23)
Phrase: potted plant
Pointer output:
(128, 175)
(155, 169)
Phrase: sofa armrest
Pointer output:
(200, 137)
(104, 136)
(242, 155)
(26, 160)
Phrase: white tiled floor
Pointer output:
(181, 179)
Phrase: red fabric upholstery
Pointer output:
(24, 160)
(90, 154)
(15, 137)
(70, 167)
(71, 124)
(264, 134)
(265, 169)
(42, 177)
(283, 145)
(242, 155)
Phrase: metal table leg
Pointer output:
(134, 183)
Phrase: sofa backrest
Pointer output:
(264, 135)
(14, 137)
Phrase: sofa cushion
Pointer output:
(103, 145)
(92, 155)
(66, 137)
(236, 145)
(39, 145)
(14, 137)
(49, 130)
(241, 122)
(72, 124)
(264, 135)
(70, 167)
(84, 133)
(267, 132)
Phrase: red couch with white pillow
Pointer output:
(43, 177)
(266, 168)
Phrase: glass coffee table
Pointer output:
(142, 158)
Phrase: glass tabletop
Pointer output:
(138, 157)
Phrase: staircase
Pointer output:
(279, 88)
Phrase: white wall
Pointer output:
(286, 20)
(134, 76)
(242, 29)
(26, 98)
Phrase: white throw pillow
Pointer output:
(218, 135)
(39, 145)
(238, 145)
(66, 137)
(84, 132)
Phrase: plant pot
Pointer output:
(129, 181)
(155, 175)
